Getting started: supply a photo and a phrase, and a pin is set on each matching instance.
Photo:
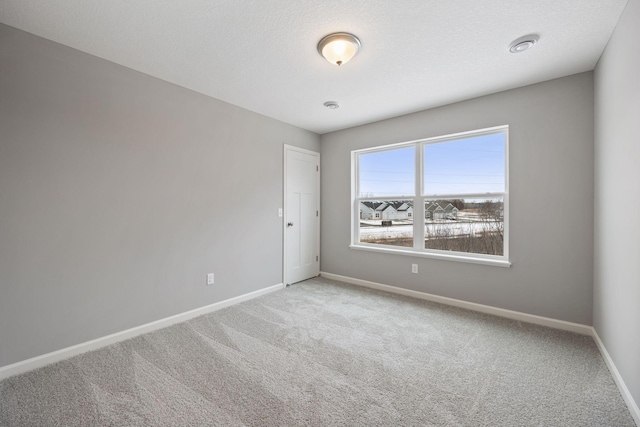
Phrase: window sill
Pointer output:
(443, 256)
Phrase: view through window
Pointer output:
(456, 187)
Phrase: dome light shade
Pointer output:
(339, 48)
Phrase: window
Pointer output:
(457, 183)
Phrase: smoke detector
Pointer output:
(523, 43)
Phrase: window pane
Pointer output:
(388, 222)
(465, 166)
(465, 225)
(387, 173)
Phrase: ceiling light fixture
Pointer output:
(339, 48)
(523, 43)
(332, 105)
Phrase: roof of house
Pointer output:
(401, 205)
(433, 207)
(372, 205)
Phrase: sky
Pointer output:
(473, 165)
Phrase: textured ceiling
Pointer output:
(261, 54)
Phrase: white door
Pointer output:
(302, 216)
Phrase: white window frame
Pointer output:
(419, 199)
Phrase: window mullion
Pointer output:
(418, 206)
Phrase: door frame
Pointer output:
(288, 148)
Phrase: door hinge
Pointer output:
(317, 168)
(317, 213)
(316, 258)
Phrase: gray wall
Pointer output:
(119, 192)
(617, 182)
(551, 202)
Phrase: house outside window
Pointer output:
(443, 197)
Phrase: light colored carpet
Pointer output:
(322, 353)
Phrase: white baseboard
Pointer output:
(509, 314)
(624, 391)
(58, 355)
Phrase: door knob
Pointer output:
(289, 224)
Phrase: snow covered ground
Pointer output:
(369, 231)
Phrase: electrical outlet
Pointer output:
(280, 212)
(414, 268)
(210, 279)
